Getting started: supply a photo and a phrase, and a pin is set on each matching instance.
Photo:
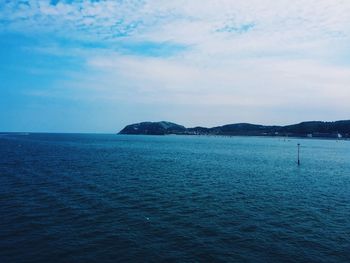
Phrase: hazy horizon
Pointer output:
(96, 66)
(118, 130)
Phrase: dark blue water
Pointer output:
(109, 198)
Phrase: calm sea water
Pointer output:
(109, 198)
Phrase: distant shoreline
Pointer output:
(312, 129)
(229, 136)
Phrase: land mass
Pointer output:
(336, 129)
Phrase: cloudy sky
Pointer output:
(95, 66)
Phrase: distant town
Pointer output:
(309, 129)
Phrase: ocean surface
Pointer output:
(114, 198)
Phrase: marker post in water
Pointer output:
(298, 153)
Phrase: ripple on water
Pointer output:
(93, 198)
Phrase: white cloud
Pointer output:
(291, 54)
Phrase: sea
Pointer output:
(129, 198)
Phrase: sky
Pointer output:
(96, 66)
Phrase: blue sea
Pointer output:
(116, 198)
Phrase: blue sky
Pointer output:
(95, 66)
